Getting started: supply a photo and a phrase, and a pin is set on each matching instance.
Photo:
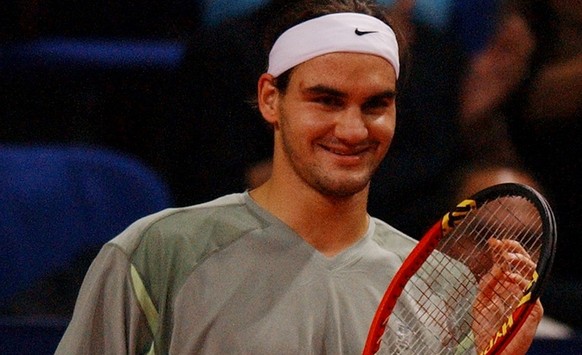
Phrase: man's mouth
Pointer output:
(355, 151)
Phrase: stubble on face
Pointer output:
(334, 123)
(316, 175)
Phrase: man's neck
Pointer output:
(329, 224)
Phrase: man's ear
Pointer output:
(268, 96)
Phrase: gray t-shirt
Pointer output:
(228, 277)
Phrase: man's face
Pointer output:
(335, 122)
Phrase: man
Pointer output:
(296, 265)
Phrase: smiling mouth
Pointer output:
(347, 152)
(344, 154)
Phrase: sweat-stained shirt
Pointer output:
(228, 277)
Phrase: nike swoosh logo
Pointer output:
(361, 33)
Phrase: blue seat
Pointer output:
(57, 201)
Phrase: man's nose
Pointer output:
(351, 126)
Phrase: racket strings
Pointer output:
(485, 223)
(440, 308)
(522, 224)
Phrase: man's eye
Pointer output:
(377, 105)
(328, 101)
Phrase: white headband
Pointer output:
(340, 32)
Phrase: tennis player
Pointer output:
(296, 266)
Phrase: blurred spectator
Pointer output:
(521, 105)
(547, 128)
(494, 74)
(471, 178)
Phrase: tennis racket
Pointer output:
(472, 280)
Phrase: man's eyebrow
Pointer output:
(386, 94)
(322, 89)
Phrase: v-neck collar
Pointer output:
(346, 257)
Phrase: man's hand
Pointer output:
(500, 291)
(523, 339)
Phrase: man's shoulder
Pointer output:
(392, 239)
(166, 247)
(191, 230)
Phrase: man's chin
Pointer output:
(344, 190)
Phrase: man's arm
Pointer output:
(107, 316)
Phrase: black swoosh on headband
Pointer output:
(361, 33)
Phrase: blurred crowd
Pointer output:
(491, 92)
